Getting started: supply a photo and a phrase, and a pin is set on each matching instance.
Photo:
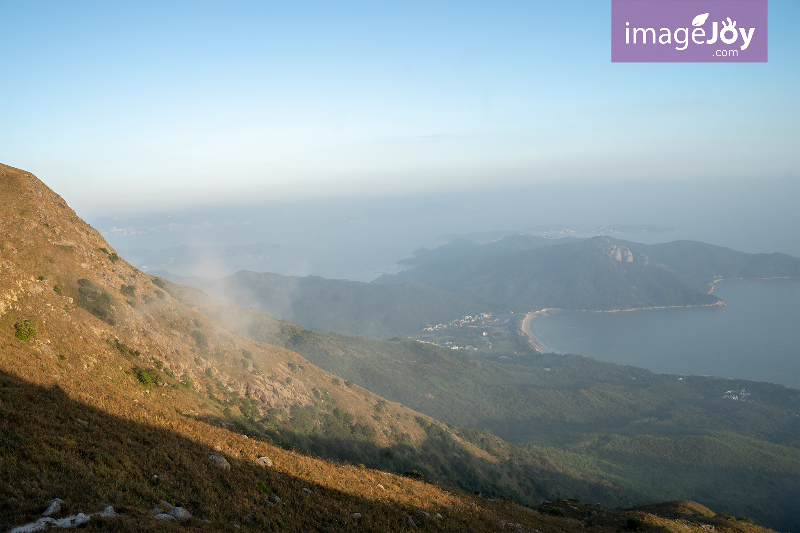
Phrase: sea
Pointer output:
(755, 336)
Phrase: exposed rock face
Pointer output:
(620, 253)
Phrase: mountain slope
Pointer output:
(350, 307)
(661, 436)
(599, 274)
(109, 377)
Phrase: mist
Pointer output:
(361, 238)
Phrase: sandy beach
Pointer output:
(525, 326)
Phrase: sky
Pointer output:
(122, 107)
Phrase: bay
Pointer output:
(756, 335)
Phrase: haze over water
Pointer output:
(754, 336)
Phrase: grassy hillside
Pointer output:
(597, 274)
(654, 437)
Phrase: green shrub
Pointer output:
(57, 289)
(263, 487)
(634, 524)
(161, 295)
(124, 349)
(289, 380)
(25, 330)
(744, 519)
(158, 282)
(113, 257)
(104, 250)
(144, 376)
(555, 512)
(187, 380)
(128, 290)
(200, 338)
(96, 300)
(414, 474)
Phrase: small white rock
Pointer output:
(355, 515)
(54, 507)
(107, 512)
(179, 513)
(164, 516)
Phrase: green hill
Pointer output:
(350, 307)
(668, 437)
(598, 274)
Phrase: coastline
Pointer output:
(711, 291)
(534, 342)
(537, 346)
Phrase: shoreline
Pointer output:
(524, 326)
(537, 346)
(711, 291)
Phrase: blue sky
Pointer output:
(123, 105)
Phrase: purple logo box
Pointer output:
(714, 31)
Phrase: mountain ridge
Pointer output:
(600, 273)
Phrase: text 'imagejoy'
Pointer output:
(679, 31)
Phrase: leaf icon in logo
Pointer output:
(699, 20)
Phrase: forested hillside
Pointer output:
(342, 306)
(623, 424)
(596, 274)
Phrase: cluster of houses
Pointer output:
(464, 321)
(741, 395)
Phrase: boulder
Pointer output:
(410, 521)
(219, 461)
(264, 461)
(54, 507)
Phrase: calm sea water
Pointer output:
(756, 335)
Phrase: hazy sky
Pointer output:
(118, 105)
